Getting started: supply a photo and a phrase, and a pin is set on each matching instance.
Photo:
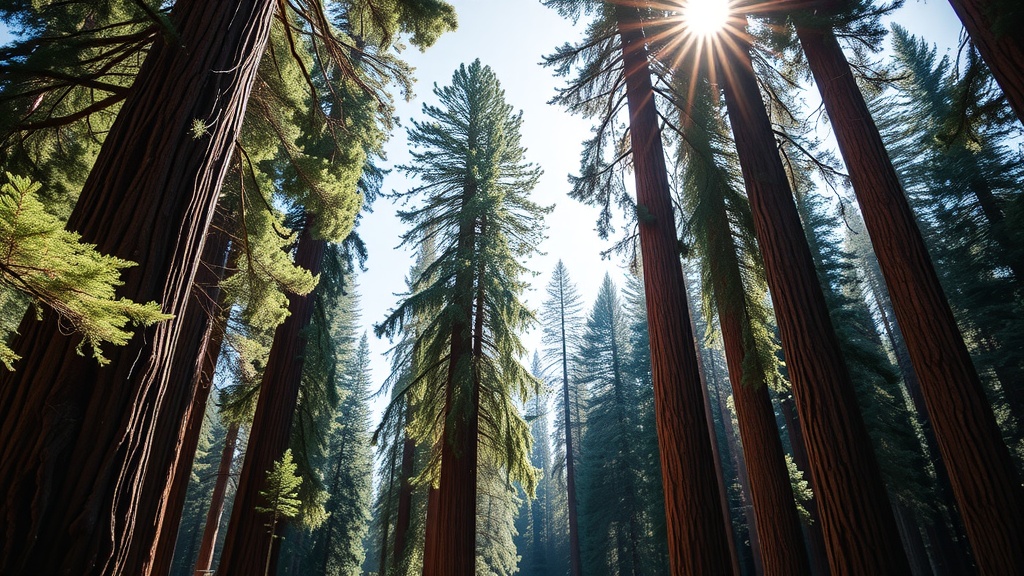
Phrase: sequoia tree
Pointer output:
(73, 478)
(476, 212)
(985, 481)
(722, 227)
(858, 524)
(994, 26)
(696, 530)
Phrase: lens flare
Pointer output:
(705, 17)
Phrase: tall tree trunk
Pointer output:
(697, 542)
(815, 539)
(950, 552)
(213, 515)
(985, 482)
(404, 518)
(191, 381)
(575, 560)
(994, 26)
(910, 533)
(430, 527)
(248, 543)
(451, 529)
(76, 437)
(858, 524)
(778, 534)
(751, 552)
(723, 492)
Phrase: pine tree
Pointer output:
(281, 495)
(965, 426)
(610, 498)
(560, 321)
(956, 165)
(476, 212)
(54, 269)
(535, 525)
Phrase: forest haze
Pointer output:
(579, 287)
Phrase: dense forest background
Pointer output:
(573, 287)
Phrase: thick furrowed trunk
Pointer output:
(451, 522)
(248, 542)
(817, 555)
(696, 530)
(76, 438)
(858, 524)
(723, 493)
(190, 383)
(777, 523)
(213, 515)
(1002, 50)
(985, 482)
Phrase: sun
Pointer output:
(705, 17)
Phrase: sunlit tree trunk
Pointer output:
(995, 28)
(451, 524)
(857, 523)
(696, 530)
(248, 542)
(75, 437)
(985, 482)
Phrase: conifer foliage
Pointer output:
(474, 208)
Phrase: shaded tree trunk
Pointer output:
(248, 543)
(697, 541)
(857, 523)
(985, 482)
(776, 525)
(191, 381)
(205, 560)
(723, 491)
(816, 552)
(77, 437)
(995, 27)
(404, 518)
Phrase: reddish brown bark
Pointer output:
(723, 493)
(451, 524)
(190, 382)
(404, 517)
(985, 482)
(777, 524)
(248, 542)
(697, 542)
(815, 540)
(213, 515)
(858, 524)
(76, 438)
(1002, 47)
